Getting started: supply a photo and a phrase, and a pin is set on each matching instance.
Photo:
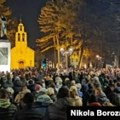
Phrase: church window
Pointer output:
(20, 27)
(18, 36)
(23, 37)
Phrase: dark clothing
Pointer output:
(58, 110)
(29, 113)
(17, 86)
(41, 107)
(7, 113)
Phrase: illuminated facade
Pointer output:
(21, 55)
(74, 60)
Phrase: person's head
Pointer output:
(67, 81)
(28, 98)
(30, 82)
(58, 80)
(24, 86)
(63, 92)
(112, 86)
(50, 91)
(98, 91)
(79, 86)
(73, 91)
(10, 90)
(72, 82)
(38, 87)
(4, 94)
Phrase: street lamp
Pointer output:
(66, 53)
(98, 57)
(99, 61)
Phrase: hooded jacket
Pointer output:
(58, 110)
(7, 110)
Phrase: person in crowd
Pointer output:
(66, 82)
(29, 112)
(3, 82)
(80, 93)
(17, 85)
(51, 93)
(58, 82)
(6, 81)
(20, 95)
(73, 83)
(10, 93)
(38, 87)
(7, 109)
(101, 97)
(58, 110)
(93, 102)
(41, 95)
(31, 85)
(75, 100)
(48, 80)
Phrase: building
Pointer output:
(21, 55)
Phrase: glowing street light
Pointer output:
(98, 57)
(99, 61)
(66, 53)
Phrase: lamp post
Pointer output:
(66, 53)
(99, 60)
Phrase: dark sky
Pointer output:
(29, 11)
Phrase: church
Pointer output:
(21, 55)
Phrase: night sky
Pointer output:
(29, 11)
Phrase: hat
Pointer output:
(67, 79)
(50, 91)
(78, 85)
(43, 90)
(10, 90)
(38, 88)
(58, 79)
(17, 78)
(73, 82)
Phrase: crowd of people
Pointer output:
(45, 95)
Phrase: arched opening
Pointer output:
(21, 64)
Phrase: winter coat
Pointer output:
(77, 101)
(29, 113)
(58, 110)
(7, 110)
(20, 95)
(17, 85)
(44, 98)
